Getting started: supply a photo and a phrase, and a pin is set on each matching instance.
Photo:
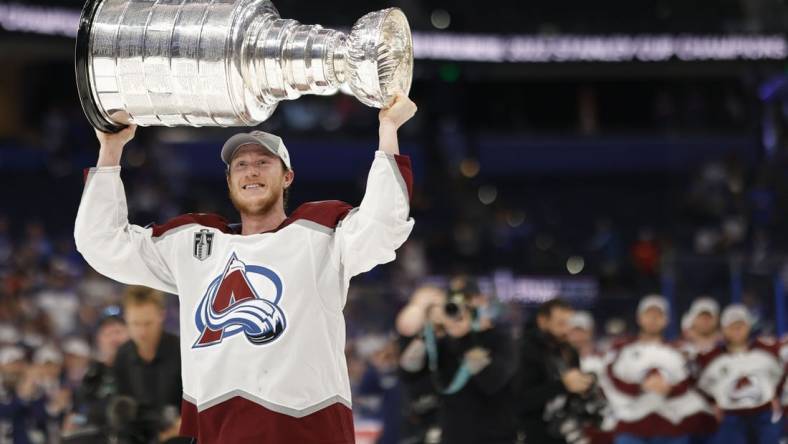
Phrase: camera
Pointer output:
(459, 300)
(568, 416)
(126, 422)
(456, 304)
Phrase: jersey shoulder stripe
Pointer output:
(327, 213)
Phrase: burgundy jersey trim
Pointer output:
(240, 421)
(704, 359)
(406, 171)
(750, 411)
(680, 388)
(207, 220)
(326, 213)
(654, 425)
(621, 385)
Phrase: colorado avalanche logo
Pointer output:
(231, 305)
(744, 389)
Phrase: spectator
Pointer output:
(76, 359)
(99, 386)
(59, 302)
(48, 400)
(381, 383)
(14, 411)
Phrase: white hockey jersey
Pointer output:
(742, 381)
(643, 413)
(262, 329)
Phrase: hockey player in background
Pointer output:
(743, 378)
(651, 386)
(262, 330)
(701, 334)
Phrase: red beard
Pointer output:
(256, 207)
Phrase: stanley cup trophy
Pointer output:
(227, 62)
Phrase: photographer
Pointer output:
(420, 401)
(471, 363)
(147, 372)
(549, 375)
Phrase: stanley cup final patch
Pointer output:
(203, 244)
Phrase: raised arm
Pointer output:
(113, 247)
(391, 119)
(370, 234)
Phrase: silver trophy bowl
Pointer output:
(227, 62)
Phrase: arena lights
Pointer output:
(39, 19)
(498, 48)
(509, 287)
(586, 48)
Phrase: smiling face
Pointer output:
(257, 180)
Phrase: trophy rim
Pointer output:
(379, 96)
(395, 11)
(82, 67)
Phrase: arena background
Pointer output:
(594, 150)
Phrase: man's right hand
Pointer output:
(112, 145)
(576, 381)
(425, 297)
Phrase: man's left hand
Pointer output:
(399, 112)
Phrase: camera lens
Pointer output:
(452, 309)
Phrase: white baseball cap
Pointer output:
(703, 305)
(76, 347)
(653, 301)
(735, 313)
(9, 334)
(582, 320)
(48, 354)
(271, 142)
(11, 354)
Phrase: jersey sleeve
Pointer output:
(370, 234)
(110, 244)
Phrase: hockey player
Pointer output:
(700, 328)
(743, 378)
(593, 360)
(650, 390)
(262, 330)
(702, 333)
